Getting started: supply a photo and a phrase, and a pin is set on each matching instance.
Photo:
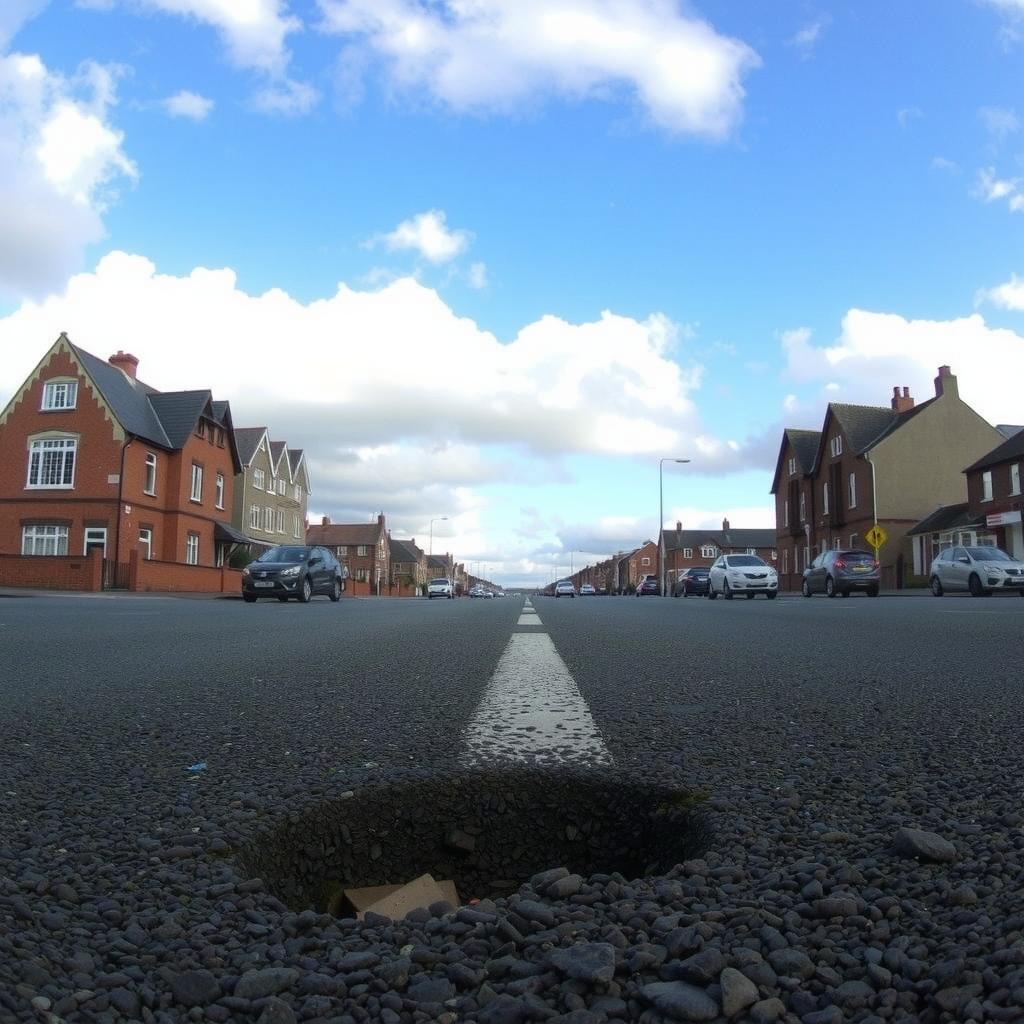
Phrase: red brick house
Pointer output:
(687, 548)
(363, 547)
(92, 459)
(874, 464)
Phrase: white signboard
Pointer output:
(1002, 519)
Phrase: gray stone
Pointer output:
(430, 990)
(277, 1011)
(738, 991)
(591, 962)
(913, 842)
(562, 888)
(268, 982)
(701, 968)
(791, 963)
(195, 988)
(679, 1000)
(767, 1011)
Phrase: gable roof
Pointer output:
(276, 451)
(248, 441)
(1011, 448)
(945, 517)
(404, 551)
(344, 534)
(805, 449)
(726, 540)
(296, 457)
(179, 411)
(1008, 429)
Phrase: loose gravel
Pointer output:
(864, 864)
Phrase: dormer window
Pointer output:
(60, 394)
(836, 446)
(792, 467)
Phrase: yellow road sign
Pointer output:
(876, 536)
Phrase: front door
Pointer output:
(96, 537)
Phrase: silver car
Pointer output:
(977, 570)
(565, 588)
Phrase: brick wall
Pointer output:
(174, 577)
(52, 572)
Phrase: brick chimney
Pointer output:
(380, 518)
(679, 526)
(945, 383)
(902, 403)
(125, 362)
(725, 524)
(325, 521)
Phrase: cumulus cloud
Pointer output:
(876, 351)
(501, 55)
(427, 234)
(1008, 295)
(61, 161)
(188, 104)
(805, 40)
(14, 14)
(999, 122)
(990, 188)
(478, 276)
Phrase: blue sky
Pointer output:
(492, 265)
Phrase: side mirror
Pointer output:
(315, 560)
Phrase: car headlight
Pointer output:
(994, 568)
(293, 571)
(245, 571)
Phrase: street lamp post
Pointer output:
(437, 519)
(661, 519)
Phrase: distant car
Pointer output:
(648, 586)
(477, 592)
(587, 590)
(977, 570)
(840, 572)
(440, 587)
(742, 574)
(693, 581)
(294, 570)
(565, 588)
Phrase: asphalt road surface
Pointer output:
(813, 730)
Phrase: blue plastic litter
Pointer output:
(198, 767)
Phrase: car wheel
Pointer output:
(771, 595)
(727, 591)
(750, 596)
(305, 591)
(336, 591)
(805, 588)
(251, 598)
(830, 587)
(873, 592)
(711, 592)
(975, 587)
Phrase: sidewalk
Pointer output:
(14, 592)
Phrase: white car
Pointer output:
(441, 587)
(587, 590)
(564, 588)
(978, 570)
(742, 574)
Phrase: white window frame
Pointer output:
(836, 544)
(282, 487)
(67, 390)
(785, 561)
(258, 479)
(824, 498)
(254, 517)
(271, 484)
(146, 540)
(362, 550)
(986, 485)
(835, 446)
(298, 492)
(852, 503)
(708, 551)
(1015, 479)
(803, 509)
(196, 491)
(341, 551)
(792, 467)
(853, 540)
(37, 540)
(280, 520)
(296, 527)
(751, 551)
(268, 519)
(37, 452)
(192, 549)
(94, 539)
(687, 552)
(149, 480)
(785, 512)
(218, 491)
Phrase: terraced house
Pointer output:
(685, 549)
(271, 492)
(363, 547)
(92, 460)
(874, 464)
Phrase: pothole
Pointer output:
(488, 831)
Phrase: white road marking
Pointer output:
(533, 711)
(528, 617)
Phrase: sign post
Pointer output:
(876, 537)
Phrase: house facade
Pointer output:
(363, 547)
(409, 571)
(92, 459)
(685, 549)
(271, 492)
(871, 464)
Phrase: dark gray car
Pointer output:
(977, 570)
(841, 572)
(294, 570)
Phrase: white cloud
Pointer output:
(877, 351)
(941, 163)
(429, 235)
(478, 276)
(188, 104)
(999, 122)
(60, 163)
(807, 38)
(990, 188)
(14, 14)
(502, 55)
(907, 114)
(1008, 295)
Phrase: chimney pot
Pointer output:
(906, 392)
(945, 383)
(325, 521)
(679, 526)
(725, 524)
(126, 362)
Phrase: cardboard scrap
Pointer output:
(396, 901)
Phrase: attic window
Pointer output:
(201, 428)
(836, 446)
(60, 394)
(792, 467)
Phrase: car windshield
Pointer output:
(439, 582)
(697, 572)
(856, 556)
(986, 554)
(738, 560)
(285, 554)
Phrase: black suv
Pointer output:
(693, 581)
(294, 570)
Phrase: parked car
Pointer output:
(565, 588)
(477, 592)
(441, 587)
(742, 574)
(587, 590)
(693, 581)
(840, 572)
(648, 585)
(977, 570)
(294, 570)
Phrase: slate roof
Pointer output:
(1009, 429)
(179, 411)
(404, 551)
(1011, 448)
(862, 423)
(247, 439)
(436, 561)
(805, 445)
(276, 451)
(335, 534)
(295, 460)
(725, 540)
(946, 517)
